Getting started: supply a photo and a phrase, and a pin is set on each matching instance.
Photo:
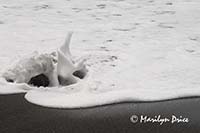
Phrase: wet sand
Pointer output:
(19, 116)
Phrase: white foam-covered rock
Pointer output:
(58, 67)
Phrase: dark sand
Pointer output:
(19, 116)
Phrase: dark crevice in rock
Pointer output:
(39, 80)
(80, 74)
(10, 80)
